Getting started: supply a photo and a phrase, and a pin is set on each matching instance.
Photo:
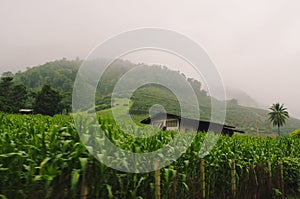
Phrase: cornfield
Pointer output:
(43, 157)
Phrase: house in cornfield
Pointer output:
(174, 122)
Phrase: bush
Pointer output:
(296, 133)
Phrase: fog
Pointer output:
(254, 44)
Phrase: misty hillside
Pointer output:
(61, 75)
(243, 98)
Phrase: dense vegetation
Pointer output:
(15, 96)
(12, 96)
(42, 157)
(58, 74)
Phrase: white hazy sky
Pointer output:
(254, 44)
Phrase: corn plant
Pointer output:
(43, 157)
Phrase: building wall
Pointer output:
(163, 123)
(188, 126)
(185, 125)
(182, 126)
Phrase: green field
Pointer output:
(42, 157)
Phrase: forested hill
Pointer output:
(61, 74)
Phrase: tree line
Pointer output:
(47, 101)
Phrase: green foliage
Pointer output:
(149, 95)
(292, 172)
(47, 101)
(12, 95)
(42, 157)
(296, 133)
(278, 115)
(59, 74)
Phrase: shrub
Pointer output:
(296, 133)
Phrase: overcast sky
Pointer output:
(254, 44)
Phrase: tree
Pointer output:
(12, 96)
(66, 103)
(278, 115)
(18, 96)
(47, 101)
(5, 97)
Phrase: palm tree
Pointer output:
(278, 115)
